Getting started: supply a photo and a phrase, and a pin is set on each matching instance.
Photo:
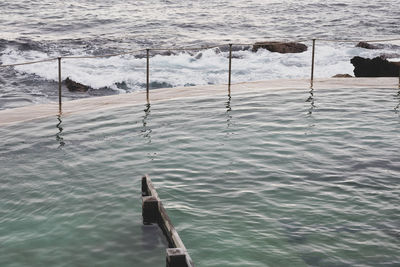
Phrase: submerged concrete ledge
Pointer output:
(153, 211)
(87, 105)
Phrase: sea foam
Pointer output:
(128, 72)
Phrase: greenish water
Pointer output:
(274, 178)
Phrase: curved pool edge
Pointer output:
(88, 105)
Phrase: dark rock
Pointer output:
(29, 45)
(376, 67)
(367, 45)
(342, 76)
(378, 46)
(102, 91)
(75, 86)
(165, 53)
(235, 48)
(236, 56)
(389, 55)
(280, 47)
(3, 44)
(198, 56)
(122, 85)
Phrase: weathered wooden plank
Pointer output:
(176, 257)
(153, 211)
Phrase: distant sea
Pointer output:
(34, 30)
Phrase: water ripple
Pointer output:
(255, 180)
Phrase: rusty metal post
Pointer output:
(312, 64)
(148, 75)
(230, 69)
(59, 86)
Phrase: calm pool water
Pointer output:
(272, 178)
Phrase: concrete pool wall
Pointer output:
(87, 105)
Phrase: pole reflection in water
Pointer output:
(146, 131)
(310, 119)
(228, 113)
(311, 100)
(59, 137)
(397, 97)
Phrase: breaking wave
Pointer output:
(127, 73)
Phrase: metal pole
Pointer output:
(312, 63)
(59, 86)
(230, 69)
(148, 76)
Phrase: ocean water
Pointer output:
(271, 178)
(34, 30)
(275, 178)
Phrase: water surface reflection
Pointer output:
(146, 131)
(228, 112)
(59, 136)
(397, 96)
(311, 100)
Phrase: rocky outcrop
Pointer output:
(342, 76)
(376, 67)
(281, 47)
(235, 48)
(389, 55)
(367, 45)
(75, 86)
(389, 46)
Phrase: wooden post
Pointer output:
(150, 210)
(59, 86)
(145, 188)
(312, 64)
(176, 257)
(230, 69)
(148, 75)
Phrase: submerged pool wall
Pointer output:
(153, 211)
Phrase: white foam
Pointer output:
(185, 69)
